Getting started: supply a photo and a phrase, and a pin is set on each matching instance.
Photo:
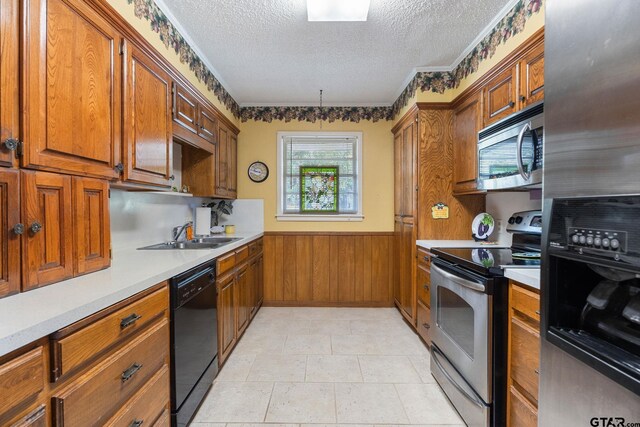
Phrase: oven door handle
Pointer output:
(459, 280)
(435, 355)
(525, 175)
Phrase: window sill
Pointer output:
(321, 218)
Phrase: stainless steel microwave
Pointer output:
(510, 151)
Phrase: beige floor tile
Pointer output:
(208, 424)
(422, 364)
(302, 403)
(354, 344)
(260, 342)
(235, 402)
(236, 368)
(401, 345)
(333, 368)
(259, 425)
(377, 327)
(281, 326)
(330, 326)
(307, 344)
(278, 367)
(369, 404)
(426, 404)
(388, 369)
(337, 425)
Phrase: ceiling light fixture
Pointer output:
(337, 10)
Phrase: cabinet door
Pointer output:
(397, 260)
(185, 108)
(259, 281)
(148, 139)
(91, 234)
(207, 124)
(232, 166)
(468, 121)
(397, 173)
(47, 243)
(10, 241)
(226, 317)
(34, 418)
(521, 413)
(532, 76)
(9, 83)
(242, 305)
(222, 158)
(409, 145)
(72, 89)
(500, 96)
(406, 274)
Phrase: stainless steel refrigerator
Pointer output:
(591, 163)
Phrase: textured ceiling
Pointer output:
(266, 53)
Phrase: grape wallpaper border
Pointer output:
(438, 82)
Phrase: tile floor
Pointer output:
(327, 366)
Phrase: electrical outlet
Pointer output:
(499, 224)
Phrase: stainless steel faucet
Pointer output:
(177, 231)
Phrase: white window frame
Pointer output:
(280, 215)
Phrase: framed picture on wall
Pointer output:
(319, 189)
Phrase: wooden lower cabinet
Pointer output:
(22, 382)
(423, 294)
(239, 294)
(523, 355)
(404, 248)
(38, 417)
(9, 239)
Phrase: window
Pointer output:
(320, 149)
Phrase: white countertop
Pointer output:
(428, 244)
(528, 276)
(29, 316)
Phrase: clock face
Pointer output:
(258, 171)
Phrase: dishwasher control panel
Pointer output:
(192, 282)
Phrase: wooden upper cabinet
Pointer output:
(397, 173)
(409, 146)
(148, 148)
(71, 89)
(232, 166)
(91, 234)
(500, 96)
(468, 122)
(222, 157)
(532, 76)
(47, 243)
(9, 101)
(207, 124)
(9, 240)
(185, 108)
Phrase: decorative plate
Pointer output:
(482, 226)
(482, 257)
(258, 171)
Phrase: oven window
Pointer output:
(455, 318)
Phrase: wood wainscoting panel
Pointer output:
(328, 269)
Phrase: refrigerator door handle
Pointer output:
(523, 173)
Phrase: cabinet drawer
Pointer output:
(164, 419)
(225, 263)
(525, 357)
(72, 351)
(255, 247)
(424, 257)
(96, 395)
(242, 254)
(424, 322)
(35, 418)
(21, 378)
(423, 284)
(521, 412)
(147, 405)
(525, 301)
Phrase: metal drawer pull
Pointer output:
(18, 229)
(36, 227)
(129, 372)
(536, 371)
(426, 287)
(136, 423)
(129, 320)
(426, 326)
(538, 312)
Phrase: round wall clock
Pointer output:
(258, 171)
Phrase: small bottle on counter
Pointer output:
(189, 231)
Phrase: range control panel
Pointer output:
(605, 240)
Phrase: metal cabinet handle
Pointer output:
(426, 287)
(426, 326)
(136, 423)
(512, 104)
(119, 168)
(35, 227)
(523, 98)
(129, 320)
(130, 372)
(11, 144)
(172, 177)
(538, 312)
(18, 229)
(536, 371)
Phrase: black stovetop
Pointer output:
(489, 261)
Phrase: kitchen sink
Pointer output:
(199, 243)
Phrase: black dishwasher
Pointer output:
(194, 340)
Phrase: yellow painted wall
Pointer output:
(143, 27)
(258, 141)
